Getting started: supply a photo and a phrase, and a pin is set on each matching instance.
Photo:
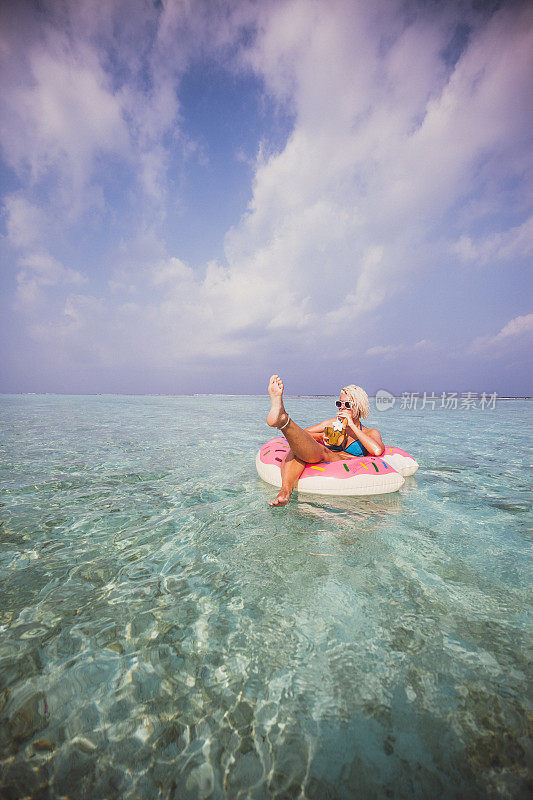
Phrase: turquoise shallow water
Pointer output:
(164, 633)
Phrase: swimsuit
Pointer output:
(356, 448)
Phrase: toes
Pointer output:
(278, 501)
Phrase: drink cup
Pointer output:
(334, 434)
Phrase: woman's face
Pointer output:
(343, 397)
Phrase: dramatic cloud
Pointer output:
(404, 170)
(62, 117)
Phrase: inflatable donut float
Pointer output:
(355, 476)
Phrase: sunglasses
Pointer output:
(341, 403)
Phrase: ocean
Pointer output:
(164, 633)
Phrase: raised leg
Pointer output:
(304, 449)
(302, 443)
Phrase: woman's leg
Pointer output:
(302, 443)
(304, 449)
(291, 469)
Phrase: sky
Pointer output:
(196, 194)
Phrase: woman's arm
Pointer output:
(369, 438)
(317, 431)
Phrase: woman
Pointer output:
(307, 446)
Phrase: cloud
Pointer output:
(516, 242)
(171, 271)
(25, 221)
(38, 271)
(393, 350)
(386, 141)
(399, 152)
(517, 333)
(178, 330)
(85, 84)
(63, 116)
(386, 351)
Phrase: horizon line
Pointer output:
(223, 394)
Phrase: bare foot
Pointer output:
(277, 416)
(281, 499)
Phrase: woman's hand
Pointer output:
(344, 415)
(349, 419)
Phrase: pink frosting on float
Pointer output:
(274, 451)
(390, 451)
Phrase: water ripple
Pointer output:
(163, 633)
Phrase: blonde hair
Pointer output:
(359, 400)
